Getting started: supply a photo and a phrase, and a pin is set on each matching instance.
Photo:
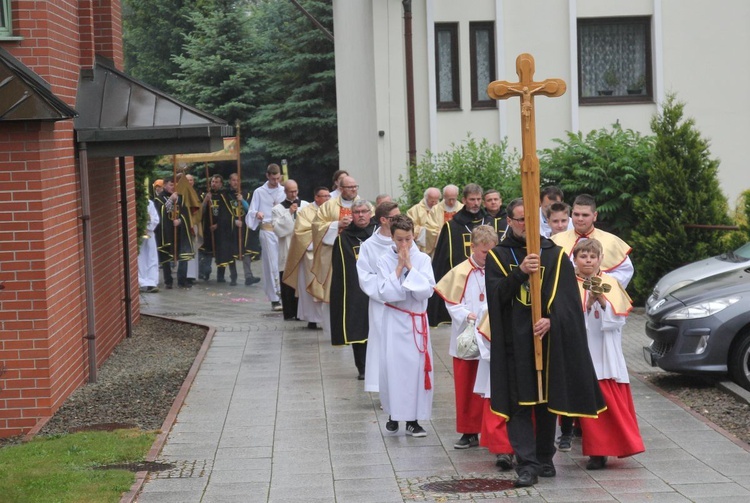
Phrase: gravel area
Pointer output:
(137, 385)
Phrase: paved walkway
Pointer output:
(276, 414)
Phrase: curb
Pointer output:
(735, 390)
(166, 427)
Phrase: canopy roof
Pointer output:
(121, 116)
(25, 96)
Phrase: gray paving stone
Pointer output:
(694, 491)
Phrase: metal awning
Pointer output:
(121, 116)
(25, 96)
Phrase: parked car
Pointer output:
(701, 324)
(679, 278)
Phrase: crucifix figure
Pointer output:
(526, 89)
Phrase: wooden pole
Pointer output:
(175, 210)
(526, 88)
(240, 209)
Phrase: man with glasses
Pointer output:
(569, 381)
(376, 245)
(332, 218)
(349, 321)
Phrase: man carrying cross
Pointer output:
(540, 366)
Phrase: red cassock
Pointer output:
(615, 431)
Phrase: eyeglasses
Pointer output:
(350, 186)
(519, 220)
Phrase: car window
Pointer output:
(743, 251)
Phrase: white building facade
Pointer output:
(619, 60)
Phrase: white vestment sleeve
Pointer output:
(250, 219)
(331, 234)
(623, 272)
(153, 217)
(368, 278)
(283, 222)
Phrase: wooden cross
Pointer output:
(526, 89)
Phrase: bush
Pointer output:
(489, 165)
(611, 165)
(683, 188)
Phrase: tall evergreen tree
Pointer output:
(683, 189)
(296, 119)
(153, 33)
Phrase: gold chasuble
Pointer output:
(616, 297)
(418, 214)
(436, 218)
(615, 249)
(331, 211)
(301, 239)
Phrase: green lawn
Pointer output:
(59, 469)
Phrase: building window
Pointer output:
(482, 63)
(6, 27)
(614, 60)
(446, 66)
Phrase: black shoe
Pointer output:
(391, 426)
(564, 443)
(151, 289)
(221, 280)
(233, 282)
(276, 306)
(184, 286)
(467, 440)
(596, 463)
(191, 281)
(168, 287)
(413, 429)
(361, 376)
(312, 325)
(548, 470)
(251, 281)
(526, 479)
(504, 461)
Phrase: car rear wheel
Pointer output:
(739, 361)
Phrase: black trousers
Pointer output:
(360, 353)
(220, 271)
(181, 273)
(288, 299)
(533, 447)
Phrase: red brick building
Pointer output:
(70, 123)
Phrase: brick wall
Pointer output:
(43, 308)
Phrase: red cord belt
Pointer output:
(422, 330)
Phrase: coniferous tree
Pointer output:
(215, 72)
(296, 118)
(683, 189)
(153, 33)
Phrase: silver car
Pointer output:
(699, 318)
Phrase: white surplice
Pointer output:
(402, 361)
(604, 331)
(148, 256)
(263, 200)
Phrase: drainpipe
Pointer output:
(126, 251)
(88, 264)
(410, 90)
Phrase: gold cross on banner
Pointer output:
(526, 89)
